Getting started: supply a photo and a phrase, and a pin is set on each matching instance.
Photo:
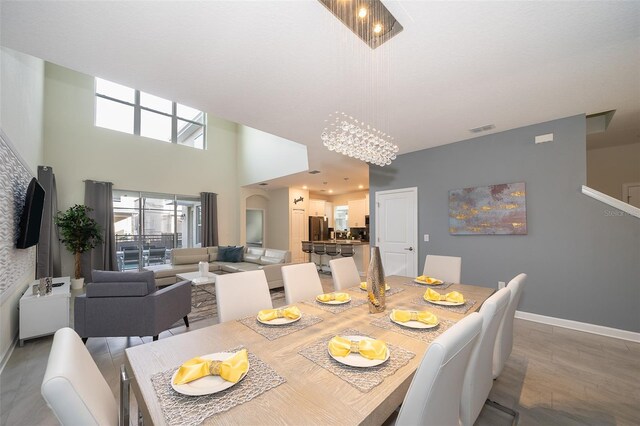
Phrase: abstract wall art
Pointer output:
(488, 210)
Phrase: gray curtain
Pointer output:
(48, 252)
(99, 196)
(209, 218)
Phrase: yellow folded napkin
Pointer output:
(453, 296)
(368, 348)
(425, 317)
(328, 297)
(429, 280)
(292, 312)
(363, 285)
(230, 370)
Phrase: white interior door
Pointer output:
(297, 235)
(396, 230)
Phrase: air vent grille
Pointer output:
(314, 172)
(484, 128)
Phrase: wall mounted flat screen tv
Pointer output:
(31, 216)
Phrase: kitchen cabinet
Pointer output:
(328, 212)
(316, 207)
(366, 205)
(356, 213)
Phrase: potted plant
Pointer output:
(79, 233)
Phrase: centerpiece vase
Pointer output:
(376, 282)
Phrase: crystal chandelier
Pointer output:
(349, 137)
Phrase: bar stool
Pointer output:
(307, 247)
(331, 250)
(346, 250)
(318, 248)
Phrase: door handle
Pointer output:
(410, 248)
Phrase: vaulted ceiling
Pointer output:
(284, 66)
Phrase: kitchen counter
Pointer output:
(354, 242)
(360, 254)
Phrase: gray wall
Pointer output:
(582, 256)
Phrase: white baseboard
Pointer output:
(8, 354)
(581, 326)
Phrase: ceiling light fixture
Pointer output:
(304, 187)
(360, 186)
(370, 20)
(348, 136)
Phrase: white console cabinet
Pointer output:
(43, 315)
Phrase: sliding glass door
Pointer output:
(149, 225)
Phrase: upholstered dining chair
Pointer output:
(344, 272)
(504, 338)
(301, 282)
(445, 268)
(478, 378)
(74, 388)
(242, 294)
(434, 395)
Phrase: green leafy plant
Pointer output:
(79, 232)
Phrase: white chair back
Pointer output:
(445, 268)
(504, 339)
(345, 273)
(433, 397)
(73, 386)
(478, 378)
(301, 282)
(242, 294)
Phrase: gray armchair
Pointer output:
(128, 304)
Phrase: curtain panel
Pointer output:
(99, 196)
(209, 201)
(48, 252)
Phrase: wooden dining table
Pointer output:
(311, 394)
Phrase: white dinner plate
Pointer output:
(386, 287)
(208, 384)
(414, 324)
(445, 303)
(426, 283)
(279, 321)
(357, 360)
(334, 302)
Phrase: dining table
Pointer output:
(302, 384)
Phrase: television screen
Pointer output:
(31, 216)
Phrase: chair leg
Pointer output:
(155, 337)
(186, 321)
(507, 410)
(84, 340)
(125, 387)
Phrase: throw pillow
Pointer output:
(230, 254)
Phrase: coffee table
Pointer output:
(199, 283)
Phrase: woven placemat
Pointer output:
(460, 309)
(426, 286)
(387, 293)
(336, 309)
(425, 334)
(181, 409)
(363, 379)
(273, 332)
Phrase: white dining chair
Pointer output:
(504, 338)
(242, 294)
(445, 268)
(73, 386)
(344, 273)
(478, 378)
(301, 282)
(434, 395)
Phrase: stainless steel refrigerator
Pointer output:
(318, 228)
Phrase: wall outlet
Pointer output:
(501, 284)
(426, 237)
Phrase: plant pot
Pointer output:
(77, 283)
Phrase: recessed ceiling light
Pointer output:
(377, 28)
(331, 191)
(304, 187)
(360, 186)
(362, 12)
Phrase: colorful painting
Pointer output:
(488, 210)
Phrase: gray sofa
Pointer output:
(129, 304)
(254, 258)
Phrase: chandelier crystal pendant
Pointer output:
(348, 136)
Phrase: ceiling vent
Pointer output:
(484, 128)
(263, 184)
(314, 172)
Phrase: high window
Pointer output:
(128, 110)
